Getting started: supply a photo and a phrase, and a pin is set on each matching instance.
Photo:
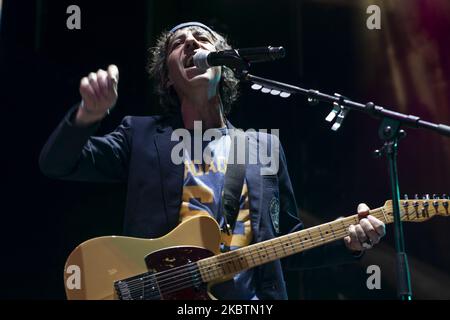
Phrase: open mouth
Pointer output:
(189, 62)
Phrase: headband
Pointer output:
(191, 24)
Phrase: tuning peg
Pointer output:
(406, 205)
(405, 197)
(435, 202)
(425, 204)
(257, 87)
(416, 203)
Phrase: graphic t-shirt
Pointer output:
(202, 190)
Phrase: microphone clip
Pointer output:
(338, 113)
(233, 60)
(236, 63)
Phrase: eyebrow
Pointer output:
(195, 33)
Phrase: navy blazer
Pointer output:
(138, 152)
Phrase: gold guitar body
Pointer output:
(100, 262)
(185, 263)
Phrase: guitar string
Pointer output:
(163, 274)
(276, 248)
(232, 257)
(176, 283)
(160, 274)
(179, 284)
(160, 280)
(142, 287)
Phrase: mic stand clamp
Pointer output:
(390, 132)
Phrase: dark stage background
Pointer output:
(405, 65)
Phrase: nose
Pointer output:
(191, 43)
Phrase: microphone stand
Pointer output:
(389, 132)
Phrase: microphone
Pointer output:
(237, 58)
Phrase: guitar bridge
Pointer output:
(122, 290)
(141, 287)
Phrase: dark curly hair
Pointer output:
(157, 69)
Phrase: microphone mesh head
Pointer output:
(201, 59)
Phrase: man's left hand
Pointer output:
(367, 233)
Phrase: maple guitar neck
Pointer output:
(179, 264)
(230, 263)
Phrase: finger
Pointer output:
(113, 80)
(362, 207)
(93, 82)
(363, 210)
(355, 243)
(370, 231)
(112, 86)
(102, 80)
(87, 93)
(85, 87)
(113, 73)
(362, 237)
(378, 225)
(348, 241)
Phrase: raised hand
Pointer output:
(99, 94)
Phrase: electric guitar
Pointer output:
(186, 263)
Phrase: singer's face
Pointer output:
(183, 75)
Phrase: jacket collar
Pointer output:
(172, 175)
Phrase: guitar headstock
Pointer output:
(419, 210)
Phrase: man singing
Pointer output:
(161, 193)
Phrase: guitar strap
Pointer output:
(234, 179)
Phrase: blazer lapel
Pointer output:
(171, 173)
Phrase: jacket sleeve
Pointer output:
(327, 255)
(73, 153)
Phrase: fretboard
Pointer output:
(233, 262)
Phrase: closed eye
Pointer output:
(175, 44)
(204, 39)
